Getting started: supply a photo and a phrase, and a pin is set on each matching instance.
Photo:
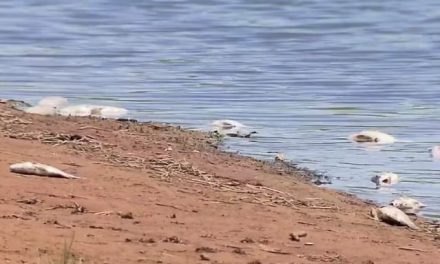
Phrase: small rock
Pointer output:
(309, 243)
(239, 251)
(204, 257)
(205, 250)
(296, 236)
(172, 239)
(247, 240)
(128, 215)
(147, 240)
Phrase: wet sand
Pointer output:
(153, 193)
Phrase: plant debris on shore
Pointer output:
(175, 185)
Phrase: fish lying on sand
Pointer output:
(392, 215)
(32, 168)
(408, 205)
(94, 110)
(54, 105)
(48, 106)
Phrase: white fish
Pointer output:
(385, 179)
(408, 205)
(279, 157)
(54, 101)
(392, 215)
(372, 136)
(227, 124)
(41, 110)
(94, 110)
(48, 106)
(231, 128)
(435, 152)
(31, 168)
(111, 112)
(76, 110)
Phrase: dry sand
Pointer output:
(158, 194)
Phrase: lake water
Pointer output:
(304, 74)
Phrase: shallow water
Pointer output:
(305, 74)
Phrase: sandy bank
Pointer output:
(157, 194)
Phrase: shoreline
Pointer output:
(186, 199)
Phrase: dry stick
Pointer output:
(218, 201)
(273, 250)
(104, 213)
(172, 206)
(269, 189)
(202, 182)
(412, 249)
(60, 206)
(61, 196)
(323, 207)
(92, 127)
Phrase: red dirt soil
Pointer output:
(152, 193)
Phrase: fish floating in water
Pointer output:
(408, 205)
(231, 128)
(435, 152)
(373, 137)
(54, 105)
(385, 179)
(32, 168)
(392, 215)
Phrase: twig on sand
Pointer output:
(412, 249)
(104, 213)
(71, 196)
(324, 207)
(172, 206)
(306, 223)
(218, 201)
(269, 189)
(273, 250)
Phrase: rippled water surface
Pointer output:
(305, 74)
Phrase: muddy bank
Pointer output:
(158, 194)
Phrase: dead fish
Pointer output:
(408, 205)
(226, 124)
(48, 106)
(393, 216)
(93, 110)
(231, 128)
(238, 133)
(279, 157)
(385, 179)
(435, 152)
(54, 101)
(372, 136)
(41, 110)
(32, 168)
